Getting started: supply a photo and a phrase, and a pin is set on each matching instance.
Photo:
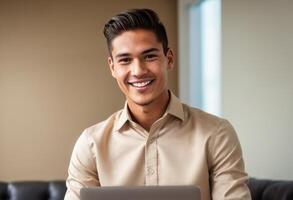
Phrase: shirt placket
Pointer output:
(151, 161)
(151, 151)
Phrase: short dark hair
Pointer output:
(132, 20)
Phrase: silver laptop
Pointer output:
(141, 193)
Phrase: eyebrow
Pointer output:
(150, 50)
(122, 55)
(144, 52)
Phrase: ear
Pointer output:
(111, 66)
(170, 57)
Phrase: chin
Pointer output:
(142, 101)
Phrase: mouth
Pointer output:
(141, 84)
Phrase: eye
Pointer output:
(124, 61)
(150, 57)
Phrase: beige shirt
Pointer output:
(185, 146)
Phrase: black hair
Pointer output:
(132, 20)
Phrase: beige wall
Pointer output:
(54, 80)
(258, 82)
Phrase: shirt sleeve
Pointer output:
(82, 171)
(227, 174)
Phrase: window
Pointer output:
(199, 54)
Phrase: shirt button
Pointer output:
(150, 171)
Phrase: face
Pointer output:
(140, 66)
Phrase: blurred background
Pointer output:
(234, 59)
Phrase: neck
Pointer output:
(146, 115)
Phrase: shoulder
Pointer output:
(96, 133)
(205, 122)
(220, 137)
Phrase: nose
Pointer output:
(138, 68)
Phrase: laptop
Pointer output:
(141, 193)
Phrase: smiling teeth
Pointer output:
(141, 84)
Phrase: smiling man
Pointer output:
(155, 139)
(140, 64)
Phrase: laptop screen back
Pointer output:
(141, 193)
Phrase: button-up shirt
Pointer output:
(186, 146)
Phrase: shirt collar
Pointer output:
(174, 108)
(122, 118)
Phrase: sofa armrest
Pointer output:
(33, 190)
(270, 189)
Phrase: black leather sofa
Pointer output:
(270, 189)
(55, 190)
(32, 190)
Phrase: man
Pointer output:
(155, 139)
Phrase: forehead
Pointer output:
(135, 41)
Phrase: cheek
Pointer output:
(120, 74)
(160, 70)
(163, 76)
